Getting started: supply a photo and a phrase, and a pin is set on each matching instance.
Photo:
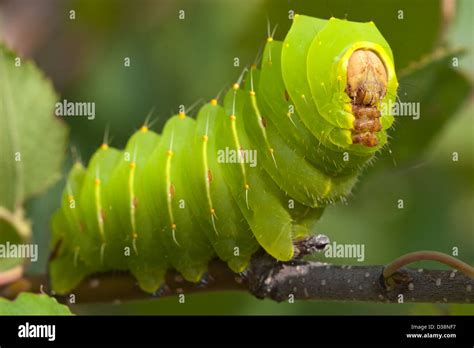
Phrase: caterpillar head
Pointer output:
(351, 75)
(366, 87)
(366, 78)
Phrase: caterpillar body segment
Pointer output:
(254, 172)
(68, 229)
(289, 170)
(98, 237)
(223, 223)
(135, 211)
(188, 248)
(259, 198)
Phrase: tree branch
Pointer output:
(279, 281)
(320, 281)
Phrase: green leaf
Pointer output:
(14, 229)
(33, 304)
(32, 143)
(32, 140)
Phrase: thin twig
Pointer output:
(423, 255)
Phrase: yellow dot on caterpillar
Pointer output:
(70, 197)
(287, 45)
(372, 23)
(205, 137)
(252, 93)
(320, 42)
(144, 129)
(104, 146)
(332, 18)
(296, 16)
(322, 83)
(133, 165)
(235, 86)
(339, 77)
(213, 102)
(181, 115)
(270, 39)
(97, 182)
(271, 150)
(246, 186)
(135, 235)
(253, 66)
(169, 153)
(233, 117)
(213, 210)
(173, 226)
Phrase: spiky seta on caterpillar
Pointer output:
(313, 114)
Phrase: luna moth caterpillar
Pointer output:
(312, 112)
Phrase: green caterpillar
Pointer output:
(312, 115)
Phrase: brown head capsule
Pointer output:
(366, 78)
(366, 86)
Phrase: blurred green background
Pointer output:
(177, 62)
